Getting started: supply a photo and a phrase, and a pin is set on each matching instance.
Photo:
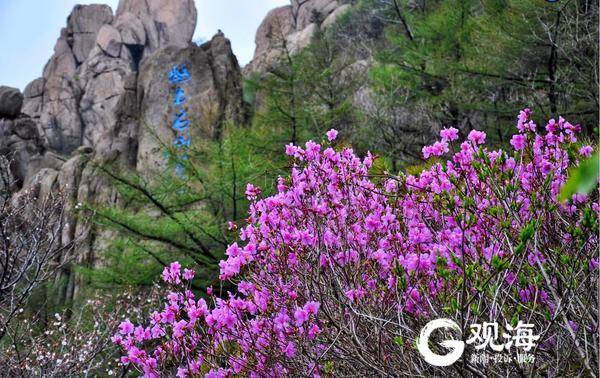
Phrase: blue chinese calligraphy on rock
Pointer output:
(179, 75)
(182, 141)
(179, 97)
(181, 123)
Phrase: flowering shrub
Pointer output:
(337, 273)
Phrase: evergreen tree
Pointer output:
(184, 216)
(473, 64)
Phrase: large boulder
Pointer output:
(59, 121)
(271, 34)
(291, 27)
(275, 27)
(108, 108)
(131, 29)
(21, 146)
(166, 22)
(82, 26)
(11, 101)
(302, 38)
(228, 80)
(33, 97)
(109, 40)
(335, 15)
(307, 12)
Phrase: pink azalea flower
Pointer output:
(291, 150)
(188, 274)
(126, 327)
(334, 244)
(449, 134)
(332, 135)
(586, 151)
(477, 137)
(301, 316)
(519, 141)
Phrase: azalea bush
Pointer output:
(337, 273)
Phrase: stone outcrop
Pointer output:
(214, 98)
(99, 52)
(131, 29)
(19, 142)
(11, 101)
(82, 27)
(33, 95)
(335, 15)
(166, 22)
(300, 39)
(103, 98)
(308, 12)
(290, 28)
(109, 40)
(273, 30)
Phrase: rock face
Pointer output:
(291, 28)
(11, 101)
(216, 96)
(307, 12)
(32, 105)
(82, 26)
(333, 16)
(271, 33)
(166, 22)
(109, 40)
(20, 144)
(99, 52)
(104, 97)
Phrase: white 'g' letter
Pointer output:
(457, 347)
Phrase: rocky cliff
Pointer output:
(104, 98)
(290, 28)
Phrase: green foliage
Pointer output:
(162, 217)
(474, 64)
(127, 264)
(306, 93)
(582, 179)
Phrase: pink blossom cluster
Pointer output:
(338, 268)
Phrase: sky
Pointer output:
(29, 29)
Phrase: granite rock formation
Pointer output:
(291, 28)
(103, 98)
(216, 95)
